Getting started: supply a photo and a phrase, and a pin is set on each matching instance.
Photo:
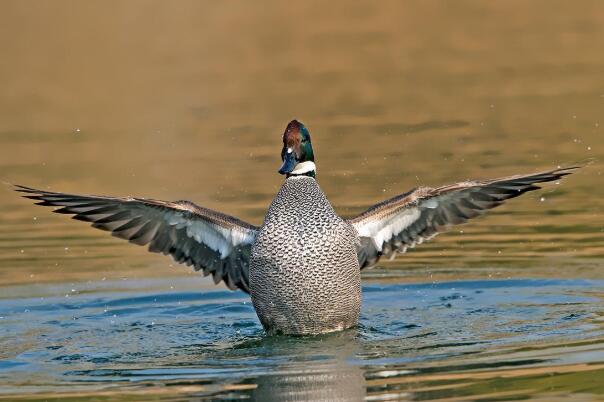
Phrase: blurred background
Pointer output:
(189, 99)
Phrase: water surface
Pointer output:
(422, 341)
(189, 101)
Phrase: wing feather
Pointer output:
(210, 241)
(408, 219)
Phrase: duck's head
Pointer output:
(297, 154)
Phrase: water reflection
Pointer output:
(318, 369)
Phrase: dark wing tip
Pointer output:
(566, 170)
(22, 189)
(529, 180)
(29, 190)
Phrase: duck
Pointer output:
(302, 266)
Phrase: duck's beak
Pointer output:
(289, 162)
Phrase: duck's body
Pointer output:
(302, 266)
(304, 270)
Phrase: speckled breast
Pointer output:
(304, 270)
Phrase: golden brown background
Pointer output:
(188, 99)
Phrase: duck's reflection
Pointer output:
(313, 369)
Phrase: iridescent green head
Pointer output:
(297, 154)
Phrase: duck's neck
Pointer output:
(307, 168)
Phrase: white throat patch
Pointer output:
(303, 167)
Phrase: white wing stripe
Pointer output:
(222, 240)
(383, 230)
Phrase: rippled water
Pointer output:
(421, 340)
(189, 102)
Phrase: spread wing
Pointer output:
(210, 241)
(406, 220)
